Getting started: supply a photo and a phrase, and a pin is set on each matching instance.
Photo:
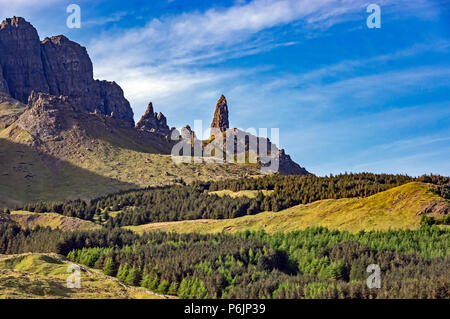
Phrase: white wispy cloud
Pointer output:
(167, 56)
(170, 55)
(203, 36)
(115, 17)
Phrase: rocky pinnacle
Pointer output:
(220, 120)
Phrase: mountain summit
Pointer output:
(56, 66)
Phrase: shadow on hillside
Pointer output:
(28, 175)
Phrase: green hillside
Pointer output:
(396, 208)
(45, 276)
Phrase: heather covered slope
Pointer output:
(397, 208)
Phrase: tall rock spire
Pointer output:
(220, 120)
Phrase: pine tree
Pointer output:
(109, 268)
(133, 277)
(122, 273)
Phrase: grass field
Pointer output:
(396, 208)
(45, 276)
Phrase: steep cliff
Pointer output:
(56, 66)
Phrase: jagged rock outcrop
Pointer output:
(220, 119)
(187, 133)
(288, 167)
(46, 116)
(246, 146)
(62, 129)
(153, 122)
(56, 66)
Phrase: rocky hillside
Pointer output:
(65, 135)
(54, 151)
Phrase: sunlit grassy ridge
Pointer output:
(396, 208)
(52, 220)
(45, 276)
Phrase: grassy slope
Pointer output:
(28, 175)
(146, 169)
(45, 276)
(32, 220)
(394, 208)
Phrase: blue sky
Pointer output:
(345, 97)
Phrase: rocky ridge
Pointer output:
(56, 66)
(153, 122)
(68, 110)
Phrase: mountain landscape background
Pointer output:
(81, 183)
(66, 135)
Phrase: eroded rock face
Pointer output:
(220, 120)
(153, 122)
(56, 66)
(45, 116)
(3, 84)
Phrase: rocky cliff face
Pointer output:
(153, 122)
(56, 66)
(220, 120)
(20, 58)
